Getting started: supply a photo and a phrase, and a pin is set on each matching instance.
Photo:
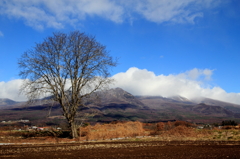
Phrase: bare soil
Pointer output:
(131, 150)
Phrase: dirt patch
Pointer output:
(105, 150)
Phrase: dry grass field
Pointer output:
(169, 131)
(125, 140)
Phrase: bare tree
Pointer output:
(69, 67)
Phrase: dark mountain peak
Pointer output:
(117, 89)
(116, 96)
(120, 93)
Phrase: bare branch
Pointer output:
(69, 67)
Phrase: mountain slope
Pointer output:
(212, 110)
(229, 106)
(184, 109)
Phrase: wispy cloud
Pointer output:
(1, 34)
(189, 84)
(56, 14)
(161, 10)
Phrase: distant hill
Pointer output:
(6, 101)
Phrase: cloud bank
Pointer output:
(189, 84)
(56, 14)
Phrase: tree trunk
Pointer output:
(73, 128)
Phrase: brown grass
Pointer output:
(178, 130)
(110, 131)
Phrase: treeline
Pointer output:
(229, 122)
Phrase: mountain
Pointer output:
(211, 110)
(181, 108)
(229, 106)
(118, 104)
(115, 97)
(6, 101)
(108, 105)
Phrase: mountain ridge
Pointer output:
(117, 92)
(118, 104)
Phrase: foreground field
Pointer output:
(177, 139)
(131, 150)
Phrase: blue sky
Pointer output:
(187, 47)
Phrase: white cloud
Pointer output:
(195, 74)
(11, 90)
(188, 84)
(56, 14)
(159, 11)
(1, 34)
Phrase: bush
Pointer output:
(182, 131)
(160, 126)
(182, 123)
(60, 134)
(229, 122)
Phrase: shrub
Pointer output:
(29, 134)
(160, 126)
(182, 131)
(183, 123)
(229, 122)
